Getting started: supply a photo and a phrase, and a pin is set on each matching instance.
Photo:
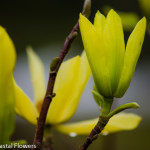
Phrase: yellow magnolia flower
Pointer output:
(119, 122)
(71, 80)
(7, 98)
(112, 66)
(70, 83)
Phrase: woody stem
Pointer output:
(52, 76)
(103, 120)
(49, 92)
(95, 132)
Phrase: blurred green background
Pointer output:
(44, 25)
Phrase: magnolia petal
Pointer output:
(70, 83)
(99, 22)
(23, 105)
(7, 98)
(79, 128)
(7, 55)
(119, 122)
(133, 50)
(122, 121)
(129, 19)
(93, 45)
(114, 47)
(37, 75)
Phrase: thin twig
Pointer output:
(55, 65)
(95, 132)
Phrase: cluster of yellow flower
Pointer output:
(112, 68)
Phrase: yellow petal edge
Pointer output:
(133, 50)
(119, 122)
(7, 54)
(71, 80)
(7, 98)
(37, 75)
(92, 49)
(24, 106)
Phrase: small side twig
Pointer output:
(103, 120)
(95, 132)
(55, 65)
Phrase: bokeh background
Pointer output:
(44, 25)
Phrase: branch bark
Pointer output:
(55, 65)
(49, 93)
(95, 132)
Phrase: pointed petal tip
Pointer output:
(7, 46)
(98, 12)
(99, 21)
(111, 10)
(133, 50)
(80, 16)
(144, 19)
(113, 13)
(83, 20)
(142, 23)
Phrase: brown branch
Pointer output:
(95, 132)
(55, 65)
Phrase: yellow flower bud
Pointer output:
(112, 66)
